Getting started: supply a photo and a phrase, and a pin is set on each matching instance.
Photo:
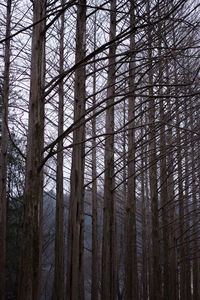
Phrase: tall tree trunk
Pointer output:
(187, 202)
(58, 288)
(75, 278)
(182, 265)
(156, 280)
(30, 267)
(195, 219)
(173, 269)
(163, 168)
(95, 250)
(196, 260)
(109, 253)
(131, 282)
(144, 277)
(148, 213)
(3, 154)
(181, 211)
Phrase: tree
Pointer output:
(156, 270)
(109, 254)
(58, 289)
(30, 266)
(75, 282)
(95, 244)
(3, 152)
(131, 287)
(118, 136)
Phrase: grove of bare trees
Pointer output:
(99, 150)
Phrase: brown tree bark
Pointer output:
(187, 203)
(173, 268)
(195, 231)
(109, 253)
(156, 290)
(163, 167)
(144, 274)
(3, 154)
(75, 280)
(182, 265)
(131, 272)
(95, 250)
(195, 219)
(148, 213)
(30, 266)
(58, 288)
(181, 214)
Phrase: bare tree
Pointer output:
(30, 266)
(58, 289)
(130, 101)
(156, 269)
(95, 248)
(109, 263)
(75, 282)
(131, 282)
(163, 163)
(3, 152)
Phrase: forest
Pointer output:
(99, 150)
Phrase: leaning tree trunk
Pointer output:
(109, 254)
(3, 155)
(75, 283)
(131, 273)
(30, 265)
(58, 287)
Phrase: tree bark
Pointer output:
(30, 267)
(156, 269)
(109, 253)
(75, 278)
(187, 203)
(131, 272)
(195, 219)
(173, 268)
(163, 168)
(196, 260)
(182, 265)
(144, 275)
(3, 154)
(95, 250)
(58, 288)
